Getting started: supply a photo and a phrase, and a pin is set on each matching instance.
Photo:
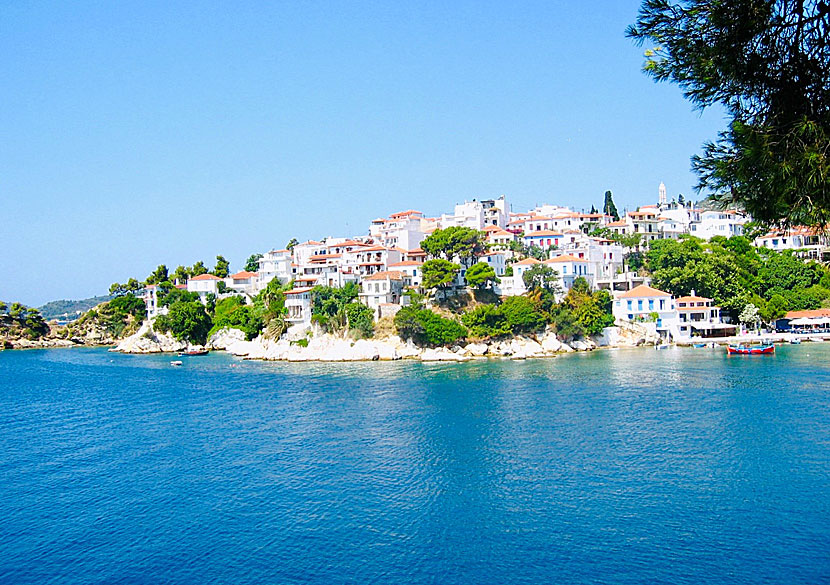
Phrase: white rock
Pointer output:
(225, 337)
(476, 349)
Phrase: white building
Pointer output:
(643, 303)
(797, 238)
(411, 271)
(243, 282)
(478, 214)
(298, 305)
(718, 223)
(570, 268)
(274, 264)
(381, 288)
(400, 230)
(203, 285)
(698, 317)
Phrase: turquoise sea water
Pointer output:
(630, 466)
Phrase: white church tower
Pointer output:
(662, 194)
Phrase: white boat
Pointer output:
(176, 363)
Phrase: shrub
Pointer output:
(487, 321)
(522, 315)
(187, 321)
(425, 327)
(361, 319)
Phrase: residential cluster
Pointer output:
(386, 260)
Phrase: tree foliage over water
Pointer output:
(768, 63)
(733, 274)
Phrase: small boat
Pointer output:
(699, 345)
(176, 363)
(192, 352)
(750, 349)
(662, 346)
(795, 341)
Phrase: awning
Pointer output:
(810, 321)
(711, 326)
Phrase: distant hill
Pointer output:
(69, 309)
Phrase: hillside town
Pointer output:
(386, 261)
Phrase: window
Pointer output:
(651, 304)
(640, 304)
(662, 304)
(629, 305)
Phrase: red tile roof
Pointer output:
(390, 274)
(565, 258)
(205, 277)
(527, 262)
(643, 291)
(407, 263)
(243, 274)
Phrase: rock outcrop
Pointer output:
(146, 340)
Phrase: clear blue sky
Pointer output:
(140, 133)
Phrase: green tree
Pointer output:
(454, 242)
(439, 274)
(542, 276)
(328, 306)
(198, 268)
(486, 321)
(117, 289)
(252, 263)
(291, 243)
(424, 327)
(480, 275)
(232, 312)
(222, 268)
(360, 319)
(522, 314)
(181, 274)
(158, 275)
(186, 321)
(608, 207)
(768, 63)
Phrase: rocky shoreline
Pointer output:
(324, 347)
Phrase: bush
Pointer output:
(487, 321)
(187, 321)
(233, 312)
(361, 319)
(424, 327)
(522, 315)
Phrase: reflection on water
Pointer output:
(628, 466)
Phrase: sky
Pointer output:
(139, 133)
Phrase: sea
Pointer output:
(616, 466)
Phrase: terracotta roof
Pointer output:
(323, 257)
(406, 213)
(527, 262)
(390, 274)
(565, 258)
(643, 291)
(279, 251)
(243, 274)
(542, 233)
(809, 314)
(205, 277)
(694, 299)
(297, 291)
(407, 263)
(618, 223)
(373, 249)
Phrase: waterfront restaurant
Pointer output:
(810, 321)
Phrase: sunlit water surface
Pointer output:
(678, 466)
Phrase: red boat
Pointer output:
(750, 349)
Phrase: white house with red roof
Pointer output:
(647, 304)
(411, 271)
(243, 281)
(724, 223)
(381, 288)
(203, 285)
(404, 229)
(570, 268)
(298, 305)
(699, 317)
(543, 239)
(810, 240)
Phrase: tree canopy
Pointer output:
(252, 263)
(608, 207)
(461, 242)
(768, 63)
(480, 275)
(222, 268)
(439, 273)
